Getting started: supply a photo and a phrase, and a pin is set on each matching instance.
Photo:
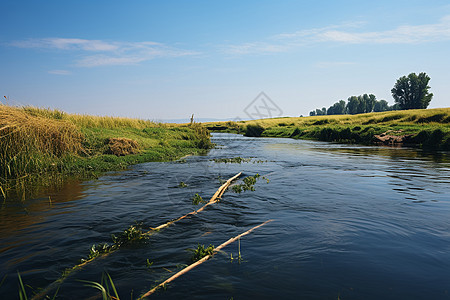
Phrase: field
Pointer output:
(425, 128)
(40, 147)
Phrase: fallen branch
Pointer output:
(199, 262)
(215, 198)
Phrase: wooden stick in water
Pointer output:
(199, 262)
(213, 199)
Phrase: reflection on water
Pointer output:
(352, 222)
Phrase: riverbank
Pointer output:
(424, 128)
(42, 147)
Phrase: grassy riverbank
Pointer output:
(42, 146)
(425, 128)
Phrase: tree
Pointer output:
(380, 106)
(337, 109)
(352, 105)
(411, 92)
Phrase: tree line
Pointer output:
(409, 92)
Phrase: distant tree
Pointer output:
(380, 106)
(411, 92)
(369, 101)
(352, 105)
(337, 109)
(312, 113)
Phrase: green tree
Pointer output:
(337, 109)
(353, 105)
(380, 106)
(411, 92)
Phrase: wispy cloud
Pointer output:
(95, 53)
(349, 33)
(59, 72)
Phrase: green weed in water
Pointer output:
(182, 185)
(201, 252)
(197, 199)
(148, 263)
(248, 184)
(236, 160)
(106, 287)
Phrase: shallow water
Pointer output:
(351, 221)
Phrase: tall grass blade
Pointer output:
(22, 291)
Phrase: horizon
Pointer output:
(161, 61)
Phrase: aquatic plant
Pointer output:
(148, 263)
(237, 160)
(201, 252)
(132, 234)
(105, 286)
(197, 199)
(182, 185)
(23, 292)
(97, 250)
(248, 184)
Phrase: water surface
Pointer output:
(351, 221)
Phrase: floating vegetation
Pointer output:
(234, 160)
(148, 263)
(182, 185)
(106, 287)
(201, 252)
(197, 199)
(97, 250)
(130, 235)
(248, 184)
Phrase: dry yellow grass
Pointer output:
(26, 141)
(406, 117)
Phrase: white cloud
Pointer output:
(346, 34)
(106, 53)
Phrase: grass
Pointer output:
(43, 146)
(425, 128)
(105, 286)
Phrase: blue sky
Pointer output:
(169, 59)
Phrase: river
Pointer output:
(350, 222)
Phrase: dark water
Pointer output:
(352, 222)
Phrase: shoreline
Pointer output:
(42, 148)
(427, 128)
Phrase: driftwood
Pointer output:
(215, 198)
(199, 262)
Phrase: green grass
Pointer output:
(39, 147)
(425, 128)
